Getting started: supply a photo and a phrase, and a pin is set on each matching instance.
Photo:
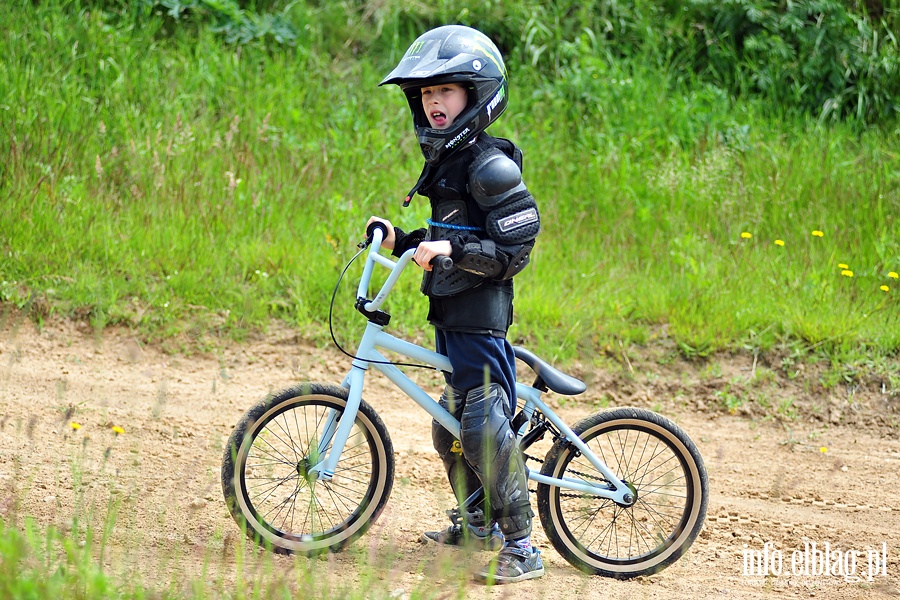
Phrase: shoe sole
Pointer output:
(495, 580)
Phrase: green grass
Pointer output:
(158, 178)
(38, 562)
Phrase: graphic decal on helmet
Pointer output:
(490, 52)
(414, 49)
(493, 103)
(462, 135)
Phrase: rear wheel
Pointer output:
(267, 476)
(665, 472)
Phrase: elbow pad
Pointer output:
(495, 182)
(486, 259)
(481, 258)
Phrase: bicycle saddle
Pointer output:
(548, 376)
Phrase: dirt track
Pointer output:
(811, 482)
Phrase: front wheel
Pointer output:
(665, 471)
(270, 484)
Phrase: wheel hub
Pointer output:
(630, 497)
(304, 467)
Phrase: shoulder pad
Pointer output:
(494, 179)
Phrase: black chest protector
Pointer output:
(454, 211)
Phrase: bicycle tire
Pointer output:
(265, 478)
(666, 472)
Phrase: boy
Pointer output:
(486, 221)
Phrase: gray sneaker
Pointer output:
(512, 564)
(463, 536)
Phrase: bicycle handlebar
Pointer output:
(445, 262)
(370, 231)
(375, 234)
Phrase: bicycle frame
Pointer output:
(337, 429)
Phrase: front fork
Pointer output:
(337, 429)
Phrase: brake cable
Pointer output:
(363, 246)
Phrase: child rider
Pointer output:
(486, 221)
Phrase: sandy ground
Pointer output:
(776, 488)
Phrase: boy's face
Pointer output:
(443, 103)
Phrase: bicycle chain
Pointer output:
(583, 475)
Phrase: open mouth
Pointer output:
(438, 119)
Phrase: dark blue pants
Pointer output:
(471, 354)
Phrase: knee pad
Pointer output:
(514, 520)
(484, 429)
(490, 447)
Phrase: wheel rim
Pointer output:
(283, 500)
(651, 462)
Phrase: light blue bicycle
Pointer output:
(308, 470)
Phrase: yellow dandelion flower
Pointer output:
(746, 235)
(885, 288)
(818, 233)
(847, 273)
(779, 242)
(75, 426)
(893, 275)
(843, 266)
(823, 449)
(117, 430)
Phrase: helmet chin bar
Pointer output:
(439, 144)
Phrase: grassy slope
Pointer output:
(184, 187)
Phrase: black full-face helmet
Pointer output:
(452, 54)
